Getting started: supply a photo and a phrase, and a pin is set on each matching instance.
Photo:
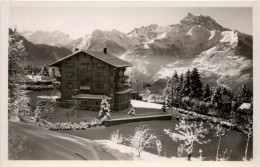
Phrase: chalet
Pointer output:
(31, 80)
(138, 91)
(245, 108)
(90, 76)
(154, 90)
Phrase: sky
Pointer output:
(78, 21)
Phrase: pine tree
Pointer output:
(172, 89)
(16, 53)
(216, 97)
(18, 101)
(180, 86)
(195, 84)
(19, 108)
(44, 71)
(207, 93)
(186, 89)
(245, 94)
(53, 73)
(104, 112)
(175, 84)
(224, 91)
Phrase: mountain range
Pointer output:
(223, 56)
(41, 54)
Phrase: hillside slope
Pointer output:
(41, 54)
(41, 144)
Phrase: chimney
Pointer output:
(76, 48)
(105, 50)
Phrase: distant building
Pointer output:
(245, 108)
(89, 76)
(37, 80)
(154, 90)
(138, 91)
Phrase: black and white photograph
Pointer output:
(139, 83)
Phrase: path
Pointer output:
(45, 144)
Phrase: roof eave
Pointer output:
(64, 58)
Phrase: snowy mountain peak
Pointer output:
(205, 21)
(55, 38)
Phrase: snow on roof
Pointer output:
(110, 59)
(38, 78)
(91, 96)
(141, 104)
(48, 97)
(245, 106)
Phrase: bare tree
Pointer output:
(158, 147)
(75, 106)
(220, 132)
(189, 134)
(142, 139)
(116, 137)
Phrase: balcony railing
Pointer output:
(123, 89)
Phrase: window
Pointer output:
(70, 64)
(100, 85)
(112, 85)
(85, 102)
(100, 74)
(84, 71)
(97, 102)
(70, 85)
(70, 74)
(84, 82)
(69, 96)
(100, 65)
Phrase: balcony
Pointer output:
(122, 90)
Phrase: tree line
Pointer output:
(188, 91)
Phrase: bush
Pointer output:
(116, 138)
(39, 87)
(66, 125)
(141, 139)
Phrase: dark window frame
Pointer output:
(70, 74)
(100, 85)
(70, 64)
(70, 85)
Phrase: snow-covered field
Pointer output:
(142, 104)
(144, 155)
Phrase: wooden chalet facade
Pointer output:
(90, 76)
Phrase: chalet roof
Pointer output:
(26, 79)
(110, 59)
(30, 78)
(91, 96)
(245, 106)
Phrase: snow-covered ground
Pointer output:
(142, 104)
(144, 155)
